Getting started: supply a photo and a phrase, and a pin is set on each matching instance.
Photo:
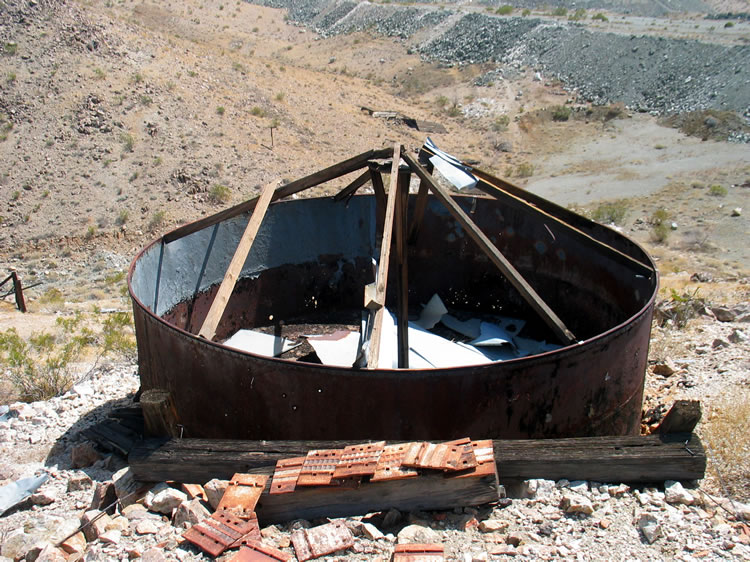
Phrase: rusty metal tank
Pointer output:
(314, 257)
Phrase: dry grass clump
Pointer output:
(726, 433)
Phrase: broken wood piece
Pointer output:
(419, 208)
(321, 540)
(371, 295)
(159, 413)
(285, 475)
(359, 460)
(418, 552)
(352, 188)
(629, 459)
(381, 279)
(682, 417)
(208, 329)
(220, 532)
(497, 258)
(380, 202)
(332, 172)
(18, 290)
(242, 494)
(402, 279)
(319, 466)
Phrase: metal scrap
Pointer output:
(222, 531)
(359, 460)
(286, 474)
(256, 551)
(321, 540)
(453, 455)
(390, 464)
(319, 467)
(242, 494)
(418, 553)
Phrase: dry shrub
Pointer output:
(726, 433)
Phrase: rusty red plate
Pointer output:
(256, 551)
(285, 475)
(321, 540)
(220, 532)
(359, 460)
(242, 494)
(319, 466)
(389, 465)
(418, 553)
(485, 461)
(453, 455)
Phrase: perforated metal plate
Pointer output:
(194, 491)
(418, 553)
(322, 540)
(389, 465)
(285, 475)
(453, 455)
(256, 551)
(220, 532)
(485, 461)
(359, 460)
(242, 494)
(319, 467)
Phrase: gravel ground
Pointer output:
(647, 73)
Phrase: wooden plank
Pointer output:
(492, 188)
(18, 288)
(332, 172)
(208, 329)
(419, 208)
(159, 414)
(352, 188)
(422, 493)
(682, 417)
(631, 459)
(385, 256)
(506, 268)
(380, 202)
(402, 309)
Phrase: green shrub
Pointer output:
(729, 24)
(257, 111)
(505, 10)
(220, 193)
(525, 170)
(220, 110)
(560, 11)
(99, 74)
(10, 48)
(599, 16)
(717, 190)
(578, 15)
(157, 219)
(610, 213)
(660, 227)
(441, 101)
(128, 142)
(500, 124)
(526, 12)
(561, 113)
(122, 217)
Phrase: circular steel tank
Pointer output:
(314, 257)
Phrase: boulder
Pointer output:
(215, 490)
(418, 534)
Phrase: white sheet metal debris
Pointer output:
(259, 343)
(450, 167)
(339, 348)
(15, 492)
(433, 311)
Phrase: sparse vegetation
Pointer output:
(578, 15)
(500, 124)
(99, 74)
(220, 193)
(10, 48)
(679, 309)
(220, 110)
(561, 113)
(137, 78)
(279, 96)
(611, 213)
(560, 12)
(157, 220)
(717, 190)
(660, 227)
(128, 142)
(526, 12)
(505, 10)
(524, 170)
(599, 16)
(122, 217)
(258, 111)
(11, 77)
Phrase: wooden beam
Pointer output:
(328, 174)
(423, 493)
(682, 417)
(385, 256)
(159, 414)
(380, 202)
(208, 329)
(631, 459)
(18, 289)
(419, 208)
(506, 268)
(352, 188)
(402, 313)
(488, 185)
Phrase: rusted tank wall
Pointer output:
(591, 388)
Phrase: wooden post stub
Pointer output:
(681, 418)
(159, 414)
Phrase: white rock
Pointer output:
(96, 524)
(372, 532)
(575, 503)
(737, 212)
(538, 488)
(493, 525)
(191, 512)
(215, 490)
(649, 526)
(111, 537)
(675, 493)
(127, 489)
(79, 481)
(418, 534)
(146, 527)
(579, 486)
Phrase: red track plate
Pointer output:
(389, 466)
(321, 540)
(242, 494)
(286, 474)
(319, 467)
(220, 532)
(418, 553)
(256, 551)
(359, 460)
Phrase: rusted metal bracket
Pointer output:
(390, 465)
(498, 259)
(220, 532)
(242, 494)
(256, 551)
(359, 460)
(453, 455)
(484, 456)
(286, 474)
(417, 552)
(321, 540)
(319, 467)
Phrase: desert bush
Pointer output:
(220, 110)
(560, 11)
(679, 308)
(128, 142)
(220, 193)
(10, 48)
(717, 190)
(660, 227)
(599, 16)
(505, 10)
(578, 15)
(610, 213)
(122, 217)
(118, 336)
(726, 432)
(257, 111)
(526, 12)
(525, 170)
(454, 110)
(157, 219)
(560, 113)
(500, 124)
(43, 366)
